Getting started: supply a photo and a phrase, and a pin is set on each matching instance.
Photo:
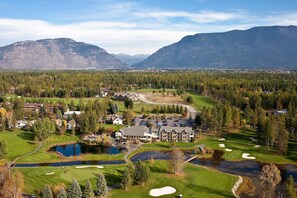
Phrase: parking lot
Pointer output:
(172, 121)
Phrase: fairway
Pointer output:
(19, 143)
(197, 181)
(240, 143)
(199, 102)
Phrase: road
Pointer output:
(191, 110)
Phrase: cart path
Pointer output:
(40, 144)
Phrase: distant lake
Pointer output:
(77, 149)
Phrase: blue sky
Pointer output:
(127, 26)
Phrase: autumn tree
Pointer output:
(11, 185)
(177, 161)
(270, 177)
(128, 116)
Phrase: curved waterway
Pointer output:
(248, 168)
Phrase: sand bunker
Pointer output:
(253, 139)
(222, 145)
(89, 167)
(157, 192)
(50, 173)
(257, 146)
(222, 139)
(229, 150)
(247, 156)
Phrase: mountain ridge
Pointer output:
(58, 53)
(257, 47)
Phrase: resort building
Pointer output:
(176, 134)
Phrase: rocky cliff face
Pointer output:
(55, 54)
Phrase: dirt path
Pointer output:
(20, 157)
(191, 110)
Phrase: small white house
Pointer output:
(67, 113)
(117, 121)
(21, 124)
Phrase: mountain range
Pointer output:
(259, 47)
(131, 59)
(53, 54)
(255, 48)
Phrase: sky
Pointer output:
(135, 27)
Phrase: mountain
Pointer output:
(61, 53)
(259, 47)
(131, 59)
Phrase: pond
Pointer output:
(247, 168)
(77, 149)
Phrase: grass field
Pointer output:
(240, 143)
(197, 181)
(19, 143)
(199, 102)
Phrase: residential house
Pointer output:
(71, 124)
(176, 134)
(20, 124)
(71, 113)
(117, 121)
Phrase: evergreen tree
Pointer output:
(142, 173)
(291, 191)
(62, 193)
(126, 179)
(47, 192)
(101, 184)
(3, 149)
(88, 191)
(43, 128)
(74, 190)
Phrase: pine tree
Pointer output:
(74, 190)
(102, 189)
(3, 149)
(62, 193)
(88, 191)
(126, 179)
(142, 173)
(47, 192)
(291, 192)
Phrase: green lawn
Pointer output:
(240, 143)
(198, 181)
(19, 143)
(199, 102)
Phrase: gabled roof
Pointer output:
(176, 129)
(134, 131)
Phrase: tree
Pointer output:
(270, 177)
(291, 191)
(3, 149)
(101, 184)
(43, 129)
(3, 114)
(128, 103)
(62, 193)
(88, 191)
(47, 192)
(11, 185)
(126, 179)
(128, 116)
(74, 191)
(189, 99)
(142, 173)
(177, 161)
(18, 107)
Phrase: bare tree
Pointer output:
(177, 161)
(270, 177)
